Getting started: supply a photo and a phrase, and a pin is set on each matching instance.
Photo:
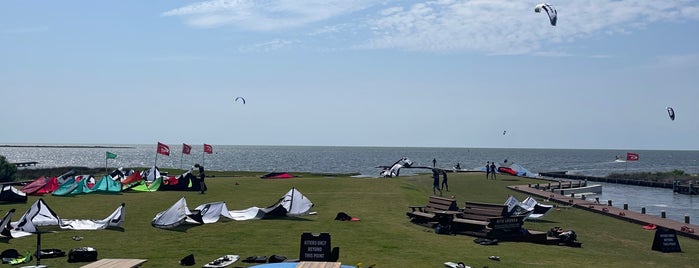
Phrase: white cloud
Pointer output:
(275, 44)
(512, 27)
(265, 15)
(488, 26)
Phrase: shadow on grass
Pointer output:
(117, 229)
(286, 219)
(182, 228)
(542, 221)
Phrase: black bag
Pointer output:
(256, 259)
(442, 229)
(83, 254)
(8, 255)
(341, 216)
(50, 253)
(187, 260)
(568, 236)
(276, 258)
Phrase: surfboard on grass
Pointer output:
(222, 261)
(454, 265)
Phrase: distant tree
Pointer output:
(7, 169)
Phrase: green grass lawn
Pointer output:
(384, 236)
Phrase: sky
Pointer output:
(442, 73)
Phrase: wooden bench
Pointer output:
(486, 219)
(427, 213)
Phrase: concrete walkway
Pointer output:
(683, 229)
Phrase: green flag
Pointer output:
(111, 155)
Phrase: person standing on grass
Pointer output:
(487, 170)
(492, 169)
(435, 182)
(202, 185)
(444, 180)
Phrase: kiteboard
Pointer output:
(222, 261)
(455, 265)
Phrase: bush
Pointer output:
(7, 170)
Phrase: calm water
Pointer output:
(364, 160)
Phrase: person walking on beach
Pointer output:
(435, 182)
(202, 185)
(434, 162)
(444, 180)
(492, 169)
(487, 170)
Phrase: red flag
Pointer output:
(186, 149)
(631, 157)
(163, 149)
(208, 149)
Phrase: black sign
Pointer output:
(666, 241)
(315, 247)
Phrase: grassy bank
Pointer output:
(384, 236)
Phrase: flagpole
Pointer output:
(181, 157)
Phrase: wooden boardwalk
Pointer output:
(683, 229)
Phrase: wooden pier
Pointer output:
(689, 189)
(566, 188)
(683, 228)
(676, 187)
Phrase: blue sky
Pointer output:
(444, 73)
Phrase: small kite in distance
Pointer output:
(240, 98)
(671, 113)
(553, 15)
(504, 132)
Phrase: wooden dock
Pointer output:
(689, 189)
(683, 229)
(577, 188)
(562, 175)
(676, 187)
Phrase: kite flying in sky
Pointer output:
(241, 99)
(671, 113)
(553, 15)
